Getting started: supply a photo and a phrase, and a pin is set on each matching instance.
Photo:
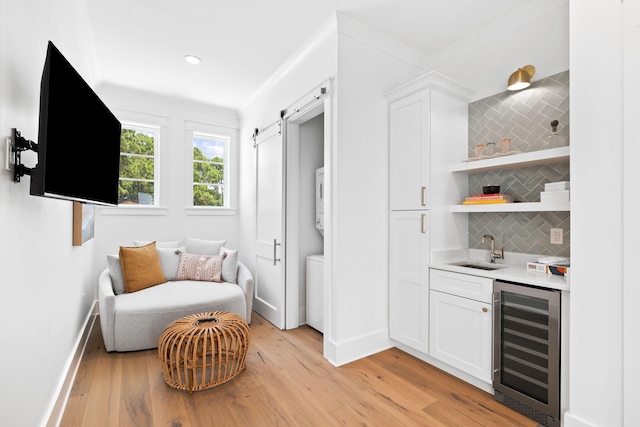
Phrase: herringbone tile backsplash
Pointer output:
(524, 117)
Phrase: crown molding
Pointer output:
(432, 80)
(358, 31)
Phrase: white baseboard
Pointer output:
(59, 404)
(571, 421)
(348, 351)
(302, 316)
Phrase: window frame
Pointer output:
(225, 165)
(230, 135)
(157, 130)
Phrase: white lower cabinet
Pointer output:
(460, 327)
(409, 279)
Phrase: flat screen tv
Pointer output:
(78, 138)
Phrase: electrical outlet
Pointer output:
(557, 237)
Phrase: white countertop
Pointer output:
(516, 272)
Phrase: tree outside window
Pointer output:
(137, 165)
(209, 160)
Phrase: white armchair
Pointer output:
(134, 321)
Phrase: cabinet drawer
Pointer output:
(464, 285)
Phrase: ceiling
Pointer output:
(140, 44)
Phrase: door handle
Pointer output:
(274, 252)
(422, 227)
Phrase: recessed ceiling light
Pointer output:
(191, 59)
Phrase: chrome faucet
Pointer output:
(495, 253)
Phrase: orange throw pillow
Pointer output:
(141, 267)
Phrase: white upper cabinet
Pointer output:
(409, 152)
(426, 114)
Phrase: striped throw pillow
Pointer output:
(206, 268)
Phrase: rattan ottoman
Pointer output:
(203, 350)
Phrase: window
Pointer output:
(210, 169)
(138, 165)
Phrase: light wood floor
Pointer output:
(287, 383)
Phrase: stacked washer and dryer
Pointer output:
(315, 264)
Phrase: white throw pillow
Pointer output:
(173, 244)
(200, 267)
(115, 271)
(169, 261)
(229, 265)
(203, 247)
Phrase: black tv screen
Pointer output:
(78, 138)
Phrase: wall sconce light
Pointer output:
(521, 78)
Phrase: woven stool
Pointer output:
(203, 350)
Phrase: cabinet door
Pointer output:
(409, 152)
(409, 279)
(460, 333)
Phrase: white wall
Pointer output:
(597, 233)
(172, 220)
(47, 283)
(360, 278)
(630, 179)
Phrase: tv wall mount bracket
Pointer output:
(18, 145)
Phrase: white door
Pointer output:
(269, 297)
(409, 279)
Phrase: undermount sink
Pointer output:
(480, 266)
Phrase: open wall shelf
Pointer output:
(542, 157)
(514, 207)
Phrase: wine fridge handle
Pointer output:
(496, 337)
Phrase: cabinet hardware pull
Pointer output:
(274, 252)
(422, 227)
(485, 309)
(423, 190)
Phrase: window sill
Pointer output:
(162, 211)
(134, 210)
(209, 211)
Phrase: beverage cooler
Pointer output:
(527, 350)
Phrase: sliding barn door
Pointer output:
(269, 299)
